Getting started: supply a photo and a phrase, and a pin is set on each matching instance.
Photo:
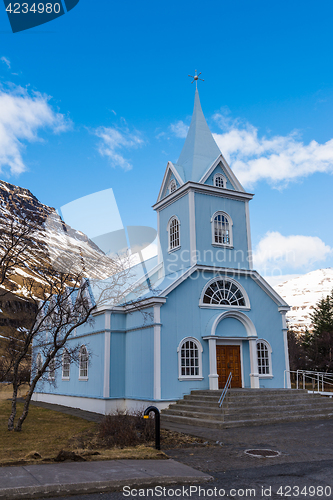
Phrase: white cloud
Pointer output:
(179, 129)
(22, 116)
(6, 61)
(113, 141)
(276, 252)
(278, 159)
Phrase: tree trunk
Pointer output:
(13, 413)
(25, 412)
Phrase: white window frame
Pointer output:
(52, 369)
(218, 175)
(227, 216)
(172, 186)
(269, 350)
(225, 306)
(200, 350)
(83, 377)
(66, 377)
(172, 249)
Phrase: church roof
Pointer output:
(200, 148)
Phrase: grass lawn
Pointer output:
(45, 433)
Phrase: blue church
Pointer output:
(209, 313)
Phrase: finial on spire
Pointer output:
(196, 78)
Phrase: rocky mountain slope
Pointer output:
(52, 243)
(303, 293)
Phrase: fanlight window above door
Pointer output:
(224, 292)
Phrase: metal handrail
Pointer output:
(316, 378)
(225, 390)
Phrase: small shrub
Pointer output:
(124, 429)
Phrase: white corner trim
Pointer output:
(248, 232)
(159, 248)
(107, 353)
(283, 312)
(157, 352)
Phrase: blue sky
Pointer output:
(100, 98)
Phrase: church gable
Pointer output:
(171, 182)
(220, 178)
(221, 167)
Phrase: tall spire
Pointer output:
(200, 149)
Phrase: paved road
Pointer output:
(298, 480)
(304, 468)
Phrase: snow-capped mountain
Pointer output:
(303, 293)
(53, 243)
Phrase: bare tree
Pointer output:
(57, 294)
(16, 317)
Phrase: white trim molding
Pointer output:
(179, 350)
(157, 352)
(283, 311)
(107, 354)
(248, 231)
(193, 244)
(213, 375)
(99, 405)
(254, 375)
(202, 189)
(240, 316)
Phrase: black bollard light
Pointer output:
(157, 424)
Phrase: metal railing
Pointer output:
(311, 380)
(225, 390)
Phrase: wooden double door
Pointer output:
(228, 360)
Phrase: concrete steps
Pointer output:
(247, 407)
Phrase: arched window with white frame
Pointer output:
(222, 229)
(224, 292)
(264, 352)
(174, 233)
(220, 181)
(189, 359)
(172, 186)
(83, 363)
(66, 365)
